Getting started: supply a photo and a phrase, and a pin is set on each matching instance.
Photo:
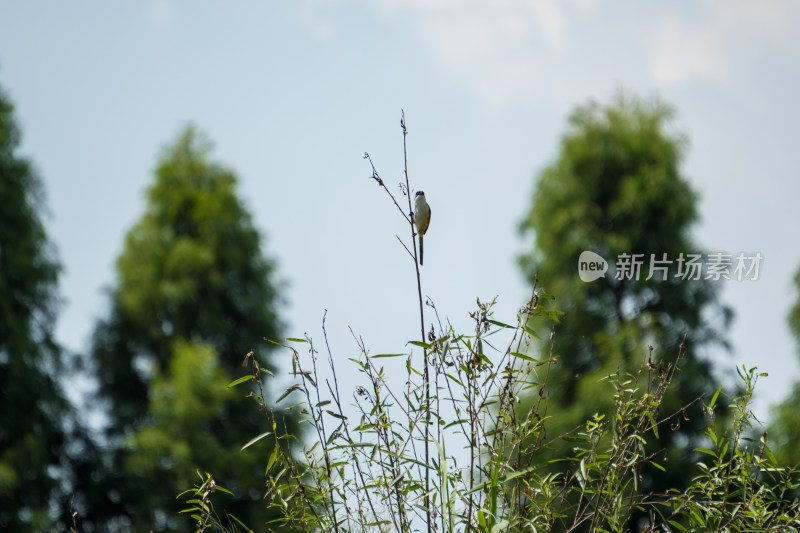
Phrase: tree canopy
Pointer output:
(616, 188)
(33, 437)
(784, 426)
(194, 294)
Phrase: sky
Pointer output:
(294, 93)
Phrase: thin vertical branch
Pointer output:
(425, 372)
(334, 392)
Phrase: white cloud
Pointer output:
(497, 49)
(502, 19)
(717, 45)
(495, 46)
(682, 53)
(585, 6)
(160, 12)
(315, 16)
(511, 49)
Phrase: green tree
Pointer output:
(194, 295)
(784, 426)
(33, 437)
(616, 188)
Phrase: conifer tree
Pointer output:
(616, 189)
(194, 294)
(34, 470)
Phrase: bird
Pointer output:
(422, 218)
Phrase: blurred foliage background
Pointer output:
(195, 292)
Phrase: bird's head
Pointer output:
(419, 193)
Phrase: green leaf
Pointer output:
(273, 456)
(457, 422)
(653, 424)
(240, 381)
(501, 324)
(287, 392)
(713, 401)
(676, 525)
(240, 523)
(532, 333)
(256, 439)
(706, 451)
(500, 526)
(524, 357)
(482, 521)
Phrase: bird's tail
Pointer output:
(420, 248)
